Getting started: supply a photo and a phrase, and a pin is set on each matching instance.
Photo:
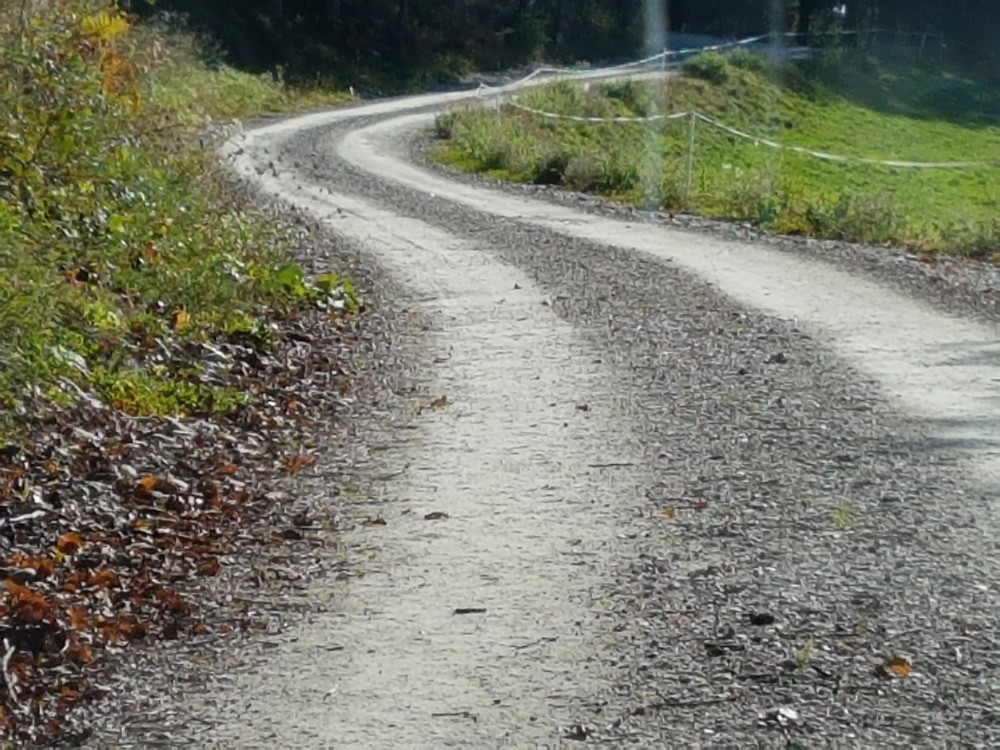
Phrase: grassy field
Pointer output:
(121, 243)
(850, 105)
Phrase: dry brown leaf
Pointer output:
(131, 630)
(297, 463)
(668, 512)
(439, 403)
(171, 599)
(44, 566)
(209, 567)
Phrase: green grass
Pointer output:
(120, 239)
(931, 116)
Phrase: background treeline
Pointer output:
(410, 40)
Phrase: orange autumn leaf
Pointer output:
(147, 483)
(78, 618)
(106, 578)
(80, 652)
(69, 543)
(896, 667)
(27, 604)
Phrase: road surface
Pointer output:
(699, 492)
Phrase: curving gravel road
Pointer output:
(681, 490)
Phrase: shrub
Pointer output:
(744, 59)
(709, 66)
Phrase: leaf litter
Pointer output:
(114, 528)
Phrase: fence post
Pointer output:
(692, 121)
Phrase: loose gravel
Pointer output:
(805, 569)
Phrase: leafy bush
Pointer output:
(744, 59)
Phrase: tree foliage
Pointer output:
(444, 38)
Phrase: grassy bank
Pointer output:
(847, 105)
(120, 242)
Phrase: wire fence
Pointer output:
(694, 117)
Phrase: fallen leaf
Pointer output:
(895, 667)
(180, 318)
(439, 403)
(106, 578)
(80, 652)
(28, 605)
(437, 515)
(146, 484)
(78, 618)
(297, 463)
(668, 512)
(131, 630)
(209, 568)
(69, 543)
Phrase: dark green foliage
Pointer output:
(377, 44)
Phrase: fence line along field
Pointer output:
(861, 106)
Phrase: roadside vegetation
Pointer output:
(152, 321)
(844, 103)
(118, 236)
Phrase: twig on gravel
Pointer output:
(10, 679)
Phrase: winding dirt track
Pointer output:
(697, 490)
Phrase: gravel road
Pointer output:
(675, 490)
